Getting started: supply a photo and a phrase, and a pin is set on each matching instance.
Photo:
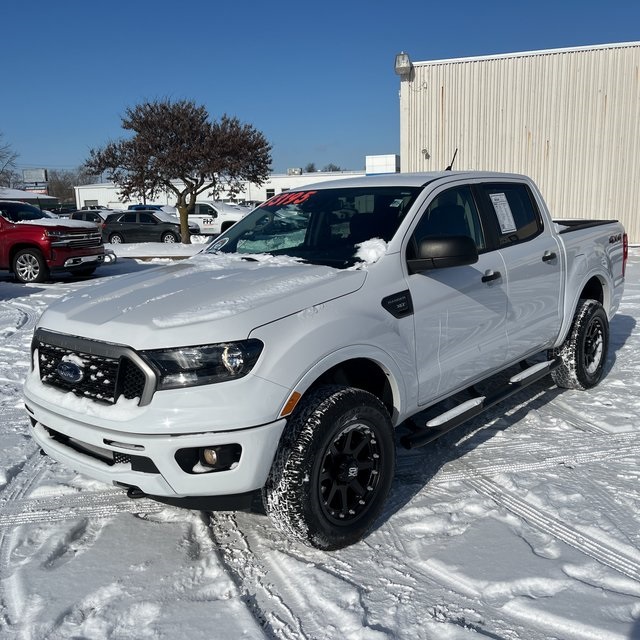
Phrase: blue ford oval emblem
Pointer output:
(70, 371)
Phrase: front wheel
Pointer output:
(584, 352)
(29, 266)
(333, 469)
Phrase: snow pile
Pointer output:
(371, 251)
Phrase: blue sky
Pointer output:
(317, 79)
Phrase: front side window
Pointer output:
(323, 226)
(451, 213)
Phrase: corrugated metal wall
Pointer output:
(569, 118)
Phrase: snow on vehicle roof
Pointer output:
(59, 222)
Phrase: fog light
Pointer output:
(210, 457)
(221, 457)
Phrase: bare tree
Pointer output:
(61, 183)
(8, 159)
(310, 168)
(176, 147)
(331, 167)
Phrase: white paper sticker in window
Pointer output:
(503, 211)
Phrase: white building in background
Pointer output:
(105, 194)
(569, 118)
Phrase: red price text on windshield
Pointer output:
(289, 197)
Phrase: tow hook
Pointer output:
(135, 493)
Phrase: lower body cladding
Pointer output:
(172, 466)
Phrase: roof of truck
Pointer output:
(404, 179)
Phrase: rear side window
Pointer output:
(515, 212)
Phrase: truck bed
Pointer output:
(574, 225)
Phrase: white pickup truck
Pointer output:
(282, 357)
(214, 218)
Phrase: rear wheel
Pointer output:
(169, 236)
(584, 352)
(116, 238)
(333, 469)
(29, 266)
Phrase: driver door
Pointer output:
(459, 312)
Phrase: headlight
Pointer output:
(205, 364)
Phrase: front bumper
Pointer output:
(149, 461)
(80, 261)
(65, 257)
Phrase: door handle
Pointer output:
(491, 275)
(549, 256)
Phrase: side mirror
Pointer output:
(440, 252)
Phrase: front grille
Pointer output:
(103, 372)
(79, 240)
(100, 374)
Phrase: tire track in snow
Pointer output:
(85, 504)
(614, 557)
(562, 411)
(248, 574)
(19, 485)
(567, 451)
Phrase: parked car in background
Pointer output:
(94, 215)
(214, 218)
(33, 243)
(62, 209)
(142, 226)
(167, 208)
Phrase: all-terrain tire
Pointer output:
(333, 468)
(584, 352)
(29, 266)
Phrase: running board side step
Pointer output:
(453, 418)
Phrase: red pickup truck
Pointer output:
(33, 244)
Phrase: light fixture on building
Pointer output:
(403, 64)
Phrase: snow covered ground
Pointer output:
(522, 525)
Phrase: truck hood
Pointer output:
(206, 299)
(58, 222)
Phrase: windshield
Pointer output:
(20, 212)
(323, 226)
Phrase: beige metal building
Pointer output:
(569, 118)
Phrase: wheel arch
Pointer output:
(19, 247)
(372, 373)
(595, 287)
